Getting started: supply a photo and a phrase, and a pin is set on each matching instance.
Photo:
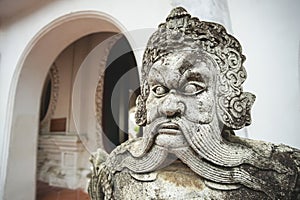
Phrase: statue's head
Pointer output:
(193, 69)
(191, 98)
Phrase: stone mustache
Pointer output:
(190, 104)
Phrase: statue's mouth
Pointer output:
(169, 128)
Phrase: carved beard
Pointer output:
(215, 159)
(207, 142)
(208, 154)
(204, 139)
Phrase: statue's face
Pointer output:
(182, 91)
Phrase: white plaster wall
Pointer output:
(269, 33)
(17, 32)
(15, 36)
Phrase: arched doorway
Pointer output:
(120, 84)
(29, 77)
(63, 163)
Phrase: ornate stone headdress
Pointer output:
(182, 32)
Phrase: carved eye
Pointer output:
(192, 88)
(160, 90)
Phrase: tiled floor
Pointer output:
(46, 192)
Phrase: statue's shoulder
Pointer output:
(104, 166)
(101, 158)
(286, 154)
(284, 158)
(281, 178)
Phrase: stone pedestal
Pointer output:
(62, 161)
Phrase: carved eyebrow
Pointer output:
(190, 75)
(155, 80)
(195, 77)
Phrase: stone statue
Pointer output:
(191, 101)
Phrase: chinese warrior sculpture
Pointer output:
(190, 104)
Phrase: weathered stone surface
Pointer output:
(175, 180)
(178, 182)
(191, 102)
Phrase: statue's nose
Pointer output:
(172, 106)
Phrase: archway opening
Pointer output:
(63, 165)
(29, 78)
(115, 121)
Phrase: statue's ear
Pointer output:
(249, 98)
(141, 112)
(236, 113)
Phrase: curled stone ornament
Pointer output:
(182, 32)
(191, 102)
